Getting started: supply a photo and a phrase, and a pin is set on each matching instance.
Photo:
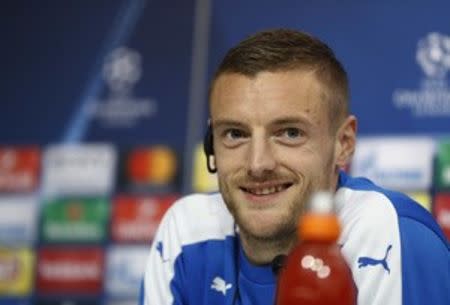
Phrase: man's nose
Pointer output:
(261, 158)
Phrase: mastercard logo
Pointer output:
(154, 165)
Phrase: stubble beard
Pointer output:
(282, 232)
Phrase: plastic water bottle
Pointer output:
(315, 272)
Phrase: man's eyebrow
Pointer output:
(279, 121)
(291, 120)
(287, 120)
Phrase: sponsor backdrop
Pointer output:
(103, 108)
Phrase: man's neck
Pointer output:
(260, 252)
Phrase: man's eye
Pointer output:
(290, 136)
(234, 134)
(291, 133)
(233, 137)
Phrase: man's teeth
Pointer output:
(267, 190)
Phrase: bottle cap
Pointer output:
(319, 222)
(321, 202)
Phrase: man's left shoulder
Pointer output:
(392, 245)
(375, 208)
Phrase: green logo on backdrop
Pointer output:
(75, 220)
(442, 169)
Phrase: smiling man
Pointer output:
(279, 131)
(274, 145)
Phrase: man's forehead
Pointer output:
(277, 92)
(229, 78)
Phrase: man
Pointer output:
(280, 130)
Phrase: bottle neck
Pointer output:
(319, 227)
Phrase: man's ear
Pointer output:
(346, 141)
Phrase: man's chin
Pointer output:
(266, 232)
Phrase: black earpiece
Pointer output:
(208, 149)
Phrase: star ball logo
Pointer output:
(432, 98)
(122, 69)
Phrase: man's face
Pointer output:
(273, 148)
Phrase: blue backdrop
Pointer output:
(53, 88)
(135, 73)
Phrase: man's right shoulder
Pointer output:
(194, 244)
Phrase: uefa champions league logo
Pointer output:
(122, 69)
(432, 98)
(433, 55)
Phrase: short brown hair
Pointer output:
(283, 50)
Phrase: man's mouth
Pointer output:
(266, 190)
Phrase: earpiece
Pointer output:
(208, 149)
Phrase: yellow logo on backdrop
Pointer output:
(16, 270)
(423, 198)
(203, 181)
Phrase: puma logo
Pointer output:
(365, 261)
(160, 249)
(220, 285)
